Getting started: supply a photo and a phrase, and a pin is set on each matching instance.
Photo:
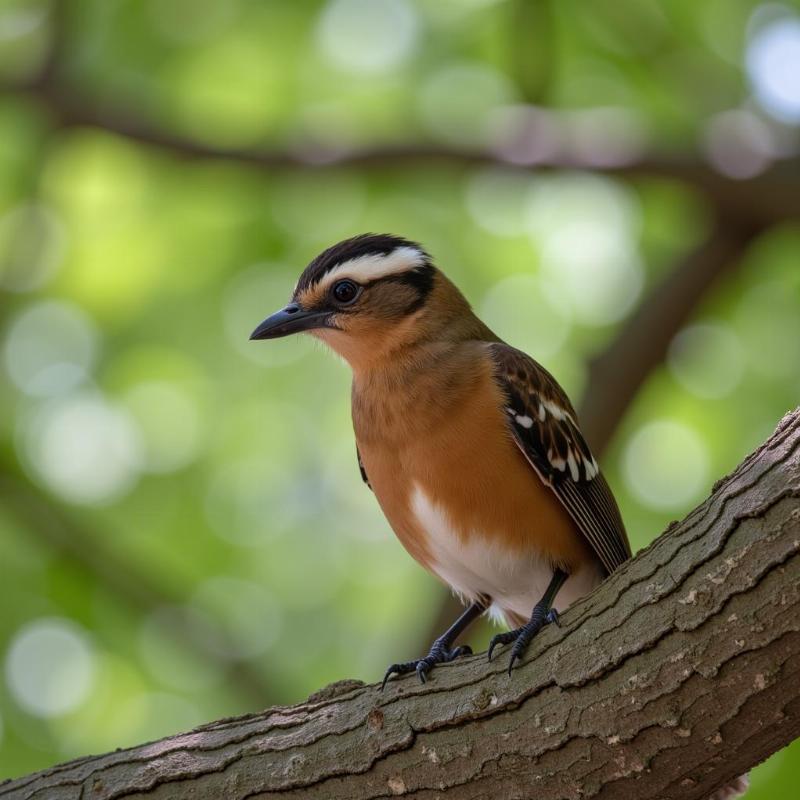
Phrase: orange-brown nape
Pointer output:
(471, 448)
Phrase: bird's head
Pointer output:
(365, 297)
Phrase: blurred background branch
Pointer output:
(618, 372)
(143, 590)
(763, 198)
(616, 188)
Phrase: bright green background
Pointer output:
(183, 530)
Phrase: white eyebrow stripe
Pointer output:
(371, 267)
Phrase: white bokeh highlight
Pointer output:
(586, 228)
(666, 465)
(50, 348)
(84, 448)
(368, 36)
(773, 66)
(50, 667)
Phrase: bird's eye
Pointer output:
(345, 291)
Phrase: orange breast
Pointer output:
(454, 448)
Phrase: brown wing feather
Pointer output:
(545, 428)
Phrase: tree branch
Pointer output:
(676, 675)
(767, 198)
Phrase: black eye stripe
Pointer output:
(419, 279)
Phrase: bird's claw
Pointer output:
(503, 638)
(523, 635)
(439, 654)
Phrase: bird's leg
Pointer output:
(442, 649)
(543, 612)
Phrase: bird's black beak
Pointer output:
(291, 319)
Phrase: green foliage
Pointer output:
(183, 529)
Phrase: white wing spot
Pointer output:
(542, 413)
(573, 466)
(558, 413)
(525, 421)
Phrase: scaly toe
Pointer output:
(526, 634)
(457, 652)
(502, 638)
(398, 669)
(438, 654)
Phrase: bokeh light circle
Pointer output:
(84, 448)
(773, 66)
(739, 144)
(368, 36)
(169, 422)
(707, 359)
(50, 667)
(50, 348)
(666, 465)
(520, 313)
(595, 269)
(495, 199)
(457, 101)
(586, 228)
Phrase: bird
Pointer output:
(471, 447)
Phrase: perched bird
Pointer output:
(471, 447)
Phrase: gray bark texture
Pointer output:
(679, 673)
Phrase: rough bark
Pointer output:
(677, 674)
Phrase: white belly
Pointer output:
(474, 564)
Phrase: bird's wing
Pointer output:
(362, 470)
(545, 428)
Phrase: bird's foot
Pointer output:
(440, 653)
(523, 635)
